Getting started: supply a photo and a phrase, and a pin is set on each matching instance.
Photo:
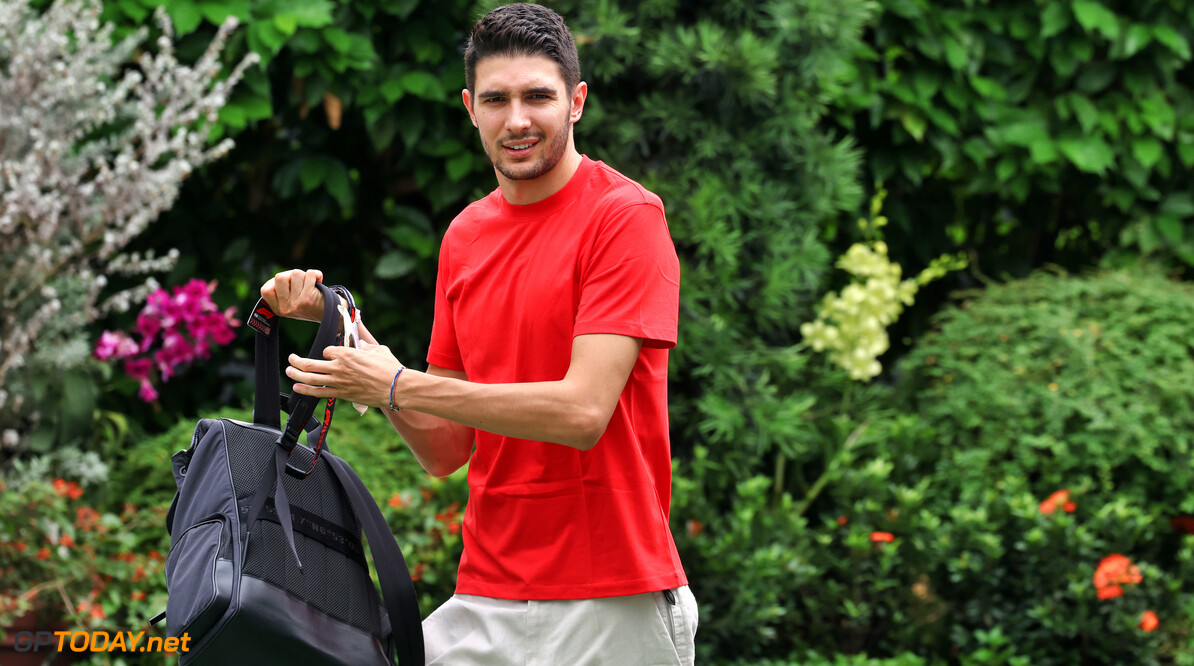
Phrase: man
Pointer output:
(556, 302)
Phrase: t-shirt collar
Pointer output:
(552, 204)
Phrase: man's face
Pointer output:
(524, 112)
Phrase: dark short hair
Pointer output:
(522, 29)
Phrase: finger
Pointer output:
(309, 364)
(269, 294)
(308, 378)
(282, 287)
(314, 391)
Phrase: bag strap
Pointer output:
(267, 384)
(398, 590)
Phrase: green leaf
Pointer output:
(1158, 114)
(955, 54)
(336, 38)
(265, 39)
(286, 24)
(1180, 204)
(914, 123)
(1170, 228)
(392, 90)
(395, 264)
(314, 171)
(1054, 19)
(1092, 15)
(989, 88)
(338, 184)
(232, 116)
(1086, 112)
(216, 12)
(133, 10)
(185, 16)
(1172, 39)
(1088, 153)
(423, 84)
(1134, 39)
(1147, 150)
(1025, 133)
(1185, 152)
(1094, 78)
(458, 167)
(382, 130)
(306, 13)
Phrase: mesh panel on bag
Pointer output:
(330, 580)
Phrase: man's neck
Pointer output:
(523, 192)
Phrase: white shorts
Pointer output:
(638, 630)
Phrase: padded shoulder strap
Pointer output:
(398, 591)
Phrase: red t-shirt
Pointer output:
(515, 285)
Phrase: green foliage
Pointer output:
(1070, 381)
(915, 524)
(64, 560)
(1030, 131)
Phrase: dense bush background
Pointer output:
(1022, 133)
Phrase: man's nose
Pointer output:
(519, 119)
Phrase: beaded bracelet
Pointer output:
(392, 383)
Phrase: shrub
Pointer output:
(92, 150)
(65, 560)
(926, 522)
(1048, 384)
(1074, 382)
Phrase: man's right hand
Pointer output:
(293, 294)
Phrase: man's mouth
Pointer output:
(519, 148)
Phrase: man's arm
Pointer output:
(441, 408)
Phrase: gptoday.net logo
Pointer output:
(97, 641)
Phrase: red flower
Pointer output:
(1113, 571)
(66, 540)
(60, 487)
(396, 501)
(882, 537)
(86, 518)
(1069, 507)
(138, 595)
(695, 527)
(418, 574)
(1149, 621)
(1061, 497)
(842, 520)
(43, 553)
(1110, 592)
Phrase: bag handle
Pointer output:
(267, 385)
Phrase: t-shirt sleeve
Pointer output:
(631, 282)
(444, 349)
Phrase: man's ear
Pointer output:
(467, 98)
(579, 94)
